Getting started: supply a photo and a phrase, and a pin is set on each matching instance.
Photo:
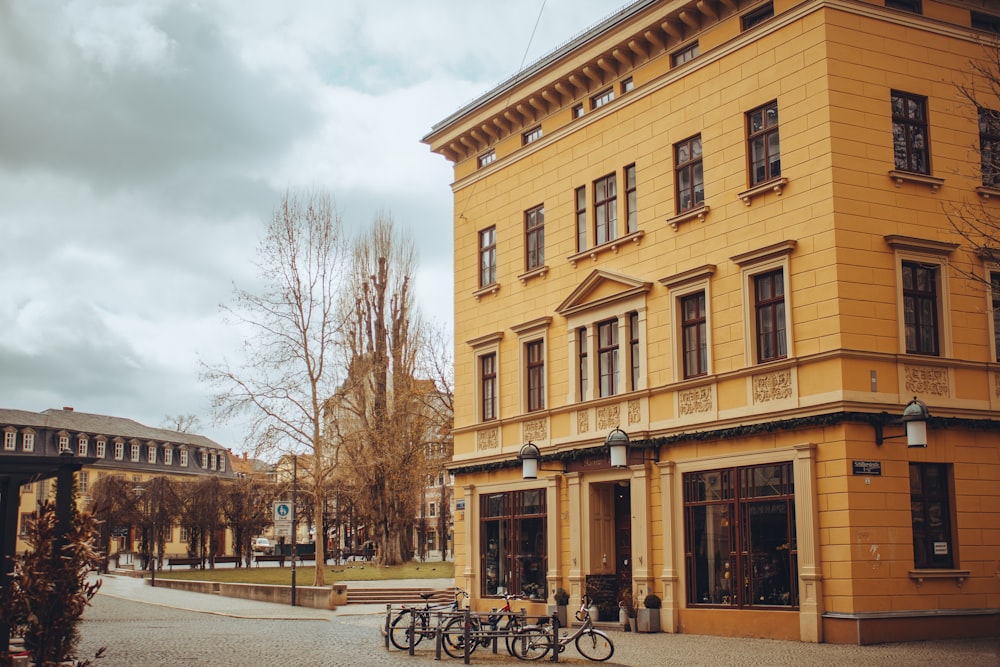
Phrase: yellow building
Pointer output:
(720, 226)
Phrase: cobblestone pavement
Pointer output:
(164, 628)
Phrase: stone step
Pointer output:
(396, 596)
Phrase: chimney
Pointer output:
(67, 408)
(245, 456)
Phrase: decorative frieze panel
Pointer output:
(487, 440)
(926, 380)
(695, 401)
(608, 417)
(996, 384)
(634, 412)
(772, 387)
(535, 430)
(582, 421)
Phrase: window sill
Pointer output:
(900, 177)
(985, 191)
(612, 246)
(770, 186)
(959, 576)
(538, 272)
(700, 212)
(483, 291)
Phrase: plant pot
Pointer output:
(648, 620)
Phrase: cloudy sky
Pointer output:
(144, 144)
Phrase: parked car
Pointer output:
(262, 545)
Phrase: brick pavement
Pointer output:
(164, 628)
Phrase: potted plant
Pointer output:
(648, 619)
(531, 590)
(561, 599)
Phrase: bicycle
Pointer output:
(482, 630)
(534, 642)
(416, 620)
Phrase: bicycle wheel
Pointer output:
(595, 645)
(530, 643)
(453, 640)
(399, 632)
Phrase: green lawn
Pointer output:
(305, 575)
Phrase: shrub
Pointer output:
(561, 597)
(651, 601)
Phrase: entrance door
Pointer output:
(623, 536)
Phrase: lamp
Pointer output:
(914, 420)
(618, 444)
(530, 461)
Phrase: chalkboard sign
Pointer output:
(603, 588)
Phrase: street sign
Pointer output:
(283, 529)
(283, 511)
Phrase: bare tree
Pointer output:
(181, 423)
(291, 327)
(378, 417)
(978, 222)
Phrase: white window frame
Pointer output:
(101, 448)
(135, 452)
(64, 443)
(168, 455)
(222, 463)
(10, 440)
(683, 285)
(931, 253)
(432, 509)
(119, 450)
(151, 453)
(82, 444)
(28, 441)
(755, 263)
(82, 481)
(184, 457)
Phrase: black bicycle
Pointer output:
(416, 621)
(483, 629)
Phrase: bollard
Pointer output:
(387, 630)
(555, 637)
(438, 637)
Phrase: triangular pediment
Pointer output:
(599, 288)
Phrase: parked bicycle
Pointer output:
(535, 641)
(417, 620)
(482, 629)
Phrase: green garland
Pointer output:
(830, 419)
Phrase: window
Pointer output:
(581, 219)
(63, 443)
(605, 209)
(920, 305)
(627, 85)
(487, 256)
(607, 357)
(168, 455)
(83, 481)
(222, 463)
(102, 447)
(489, 157)
(602, 98)
(930, 509)
(534, 237)
(535, 353)
(512, 543)
(432, 509)
(578, 111)
(631, 213)
(151, 453)
(440, 478)
(28, 442)
(757, 16)
(989, 146)
(81, 446)
(986, 22)
(905, 5)
(185, 534)
(119, 450)
(762, 139)
(635, 367)
(10, 441)
(135, 452)
(769, 306)
(689, 52)
(204, 460)
(739, 537)
(688, 176)
(26, 518)
(581, 345)
(694, 334)
(184, 458)
(488, 386)
(909, 132)
(534, 134)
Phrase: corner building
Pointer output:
(719, 226)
